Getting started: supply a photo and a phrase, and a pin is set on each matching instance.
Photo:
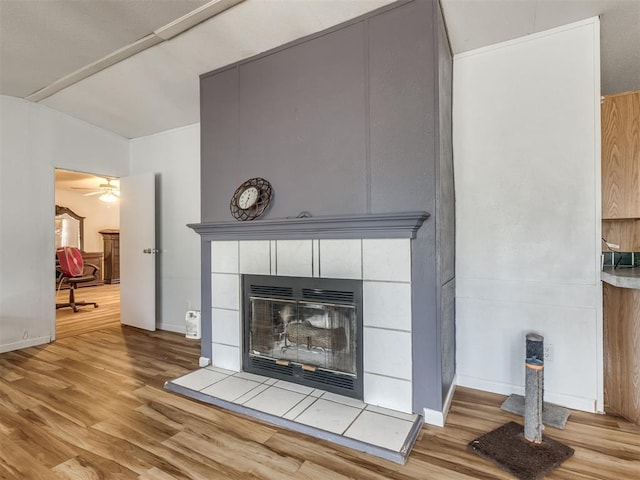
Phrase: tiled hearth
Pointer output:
(385, 433)
(376, 250)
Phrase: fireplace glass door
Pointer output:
(314, 335)
(304, 330)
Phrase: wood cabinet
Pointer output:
(621, 225)
(111, 239)
(622, 351)
(625, 233)
(621, 156)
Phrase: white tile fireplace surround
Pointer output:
(375, 249)
(383, 265)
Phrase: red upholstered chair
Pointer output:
(70, 268)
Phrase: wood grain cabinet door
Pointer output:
(621, 156)
(622, 351)
(111, 240)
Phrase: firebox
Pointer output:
(304, 330)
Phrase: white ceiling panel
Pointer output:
(158, 89)
(474, 24)
(242, 32)
(619, 36)
(144, 94)
(477, 23)
(44, 40)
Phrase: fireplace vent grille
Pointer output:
(271, 291)
(322, 295)
(339, 383)
(268, 365)
(345, 382)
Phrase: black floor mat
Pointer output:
(506, 447)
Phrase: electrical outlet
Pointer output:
(548, 352)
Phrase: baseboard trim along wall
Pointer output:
(31, 342)
(568, 401)
(434, 417)
(172, 327)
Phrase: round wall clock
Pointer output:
(251, 199)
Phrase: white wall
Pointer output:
(98, 215)
(175, 157)
(33, 140)
(527, 171)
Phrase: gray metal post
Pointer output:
(533, 392)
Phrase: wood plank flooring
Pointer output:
(88, 319)
(92, 406)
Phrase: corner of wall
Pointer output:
(439, 418)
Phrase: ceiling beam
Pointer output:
(191, 19)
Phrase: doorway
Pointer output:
(92, 226)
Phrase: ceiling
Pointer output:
(124, 65)
(477, 23)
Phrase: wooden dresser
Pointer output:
(111, 239)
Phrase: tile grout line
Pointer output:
(391, 416)
(315, 399)
(374, 327)
(298, 403)
(207, 386)
(352, 422)
(247, 393)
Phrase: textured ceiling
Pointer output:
(157, 89)
(477, 23)
(44, 40)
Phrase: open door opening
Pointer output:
(87, 218)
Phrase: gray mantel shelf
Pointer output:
(377, 225)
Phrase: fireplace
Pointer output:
(404, 335)
(304, 330)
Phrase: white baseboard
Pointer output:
(30, 342)
(568, 401)
(434, 417)
(172, 327)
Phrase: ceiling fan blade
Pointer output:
(82, 188)
(92, 193)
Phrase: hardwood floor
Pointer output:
(93, 406)
(88, 319)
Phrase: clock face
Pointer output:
(251, 199)
(248, 198)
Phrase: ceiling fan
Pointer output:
(108, 192)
